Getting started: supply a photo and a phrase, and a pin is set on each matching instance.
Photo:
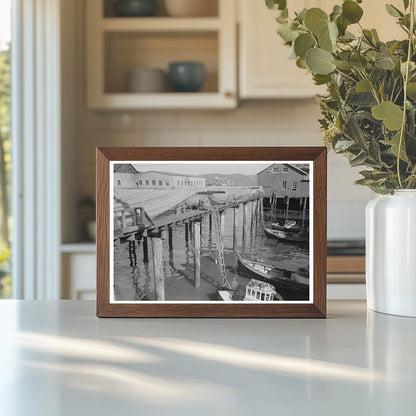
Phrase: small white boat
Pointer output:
(257, 291)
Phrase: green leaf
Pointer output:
(319, 61)
(301, 63)
(301, 15)
(393, 11)
(358, 61)
(351, 11)
(325, 42)
(344, 65)
(394, 145)
(406, 4)
(384, 62)
(336, 12)
(276, 4)
(411, 90)
(316, 20)
(363, 86)
(342, 25)
(303, 43)
(287, 33)
(388, 112)
(321, 79)
(358, 160)
(375, 35)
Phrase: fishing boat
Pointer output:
(256, 291)
(281, 279)
(302, 275)
(300, 237)
(287, 226)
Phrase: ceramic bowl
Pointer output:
(186, 76)
(135, 8)
(147, 80)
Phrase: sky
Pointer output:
(200, 168)
(5, 19)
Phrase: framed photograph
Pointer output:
(211, 232)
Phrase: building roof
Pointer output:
(293, 167)
(172, 174)
(124, 168)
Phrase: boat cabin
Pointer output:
(259, 291)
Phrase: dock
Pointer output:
(152, 215)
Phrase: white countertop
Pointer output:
(57, 358)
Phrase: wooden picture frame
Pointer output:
(110, 232)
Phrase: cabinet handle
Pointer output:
(229, 94)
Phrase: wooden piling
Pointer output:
(157, 248)
(145, 250)
(235, 225)
(186, 232)
(170, 238)
(245, 215)
(252, 220)
(287, 208)
(197, 253)
(222, 221)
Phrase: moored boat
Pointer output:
(258, 291)
(287, 226)
(281, 279)
(301, 237)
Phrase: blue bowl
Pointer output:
(186, 76)
(135, 8)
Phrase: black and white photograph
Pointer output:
(211, 232)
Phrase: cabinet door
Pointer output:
(265, 68)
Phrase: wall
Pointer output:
(255, 123)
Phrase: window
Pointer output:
(270, 170)
(137, 184)
(119, 182)
(275, 170)
(167, 183)
(147, 182)
(285, 169)
(160, 183)
(294, 186)
(153, 183)
(284, 185)
(140, 182)
(5, 146)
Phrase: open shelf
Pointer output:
(211, 9)
(160, 24)
(127, 51)
(119, 45)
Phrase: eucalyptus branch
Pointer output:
(406, 80)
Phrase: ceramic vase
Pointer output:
(391, 253)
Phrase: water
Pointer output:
(134, 282)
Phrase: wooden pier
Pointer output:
(143, 214)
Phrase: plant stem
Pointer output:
(406, 80)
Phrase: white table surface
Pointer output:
(57, 358)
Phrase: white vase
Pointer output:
(391, 253)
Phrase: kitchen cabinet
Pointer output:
(78, 263)
(265, 70)
(118, 45)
